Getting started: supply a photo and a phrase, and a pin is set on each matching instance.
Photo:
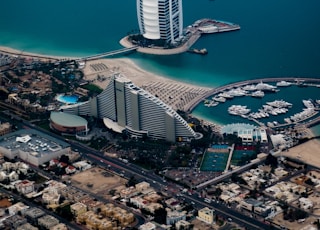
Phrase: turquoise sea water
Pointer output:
(277, 38)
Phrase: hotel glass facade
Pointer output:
(160, 19)
(135, 110)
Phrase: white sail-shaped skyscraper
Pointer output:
(160, 19)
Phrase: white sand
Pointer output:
(176, 94)
(22, 53)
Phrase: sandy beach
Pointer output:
(21, 53)
(176, 94)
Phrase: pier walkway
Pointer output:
(108, 54)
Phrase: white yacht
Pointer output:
(249, 87)
(264, 86)
(308, 103)
(225, 95)
(238, 110)
(283, 83)
(279, 104)
(258, 93)
(219, 99)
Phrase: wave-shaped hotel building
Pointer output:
(124, 106)
(160, 19)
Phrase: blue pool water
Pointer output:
(68, 99)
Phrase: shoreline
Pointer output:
(11, 51)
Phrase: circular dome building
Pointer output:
(68, 123)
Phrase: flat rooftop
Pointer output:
(32, 141)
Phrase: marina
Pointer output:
(276, 112)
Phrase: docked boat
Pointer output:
(283, 83)
(219, 99)
(225, 95)
(238, 92)
(265, 87)
(258, 93)
(238, 110)
(249, 87)
(308, 103)
(203, 51)
(211, 103)
(279, 104)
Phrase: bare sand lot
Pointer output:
(308, 152)
(98, 181)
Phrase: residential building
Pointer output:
(160, 19)
(27, 226)
(24, 187)
(175, 216)
(32, 215)
(78, 208)
(12, 222)
(148, 226)
(47, 221)
(5, 128)
(17, 207)
(60, 226)
(206, 215)
(182, 224)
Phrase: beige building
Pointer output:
(206, 215)
(24, 187)
(78, 209)
(148, 226)
(142, 186)
(5, 128)
(60, 226)
(93, 221)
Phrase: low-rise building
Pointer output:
(17, 207)
(182, 224)
(13, 222)
(50, 196)
(33, 214)
(175, 216)
(24, 187)
(27, 226)
(148, 226)
(78, 209)
(5, 128)
(142, 186)
(47, 221)
(32, 146)
(128, 192)
(59, 226)
(206, 215)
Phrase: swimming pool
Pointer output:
(67, 99)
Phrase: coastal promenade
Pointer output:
(190, 106)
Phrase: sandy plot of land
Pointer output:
(99, 180)
(294, 225)
(308, 152)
